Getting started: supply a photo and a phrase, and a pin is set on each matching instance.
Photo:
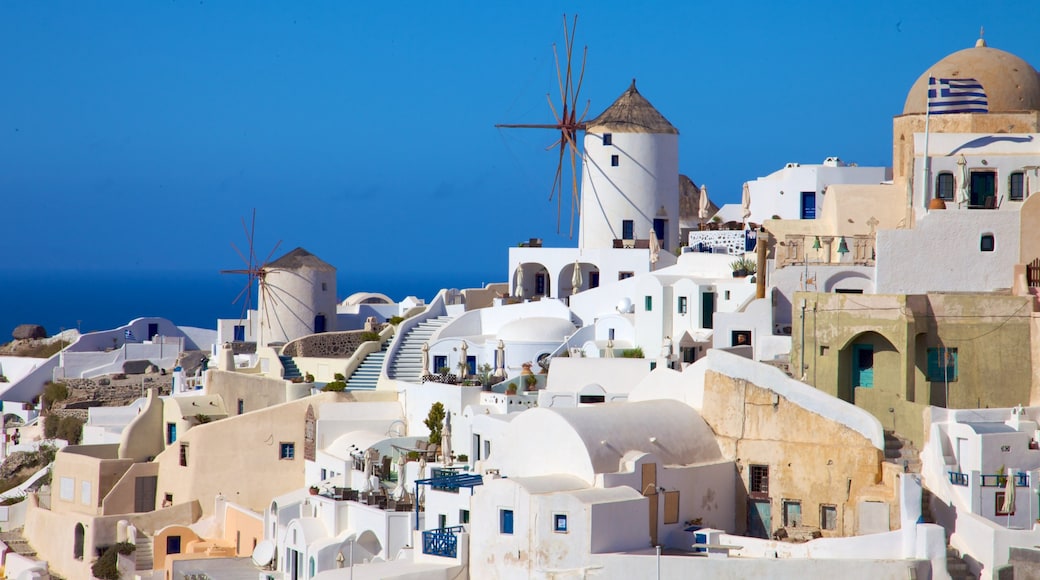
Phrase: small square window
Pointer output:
(682, 305)
(942, 365)
(560, 523)
(505, 521)
(624, 275)
(615, 160)
(463, 516)
(648, 302)
(759, 479)
(241, 406)
(944, 186)
(987, 243)
(184, 454)
(324, 286)
(828, 517)
(287, 451)
(608, 138)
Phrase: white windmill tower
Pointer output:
(630, 177)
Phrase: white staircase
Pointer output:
(407, 365)
(367, 374)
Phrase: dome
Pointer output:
(1011, 84)
(536, 329)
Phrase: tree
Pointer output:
(435, 422)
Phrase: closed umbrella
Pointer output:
(519, 282)
(446, 440)
(501, 370)
(962, 191)
(425, 359)
(401, 491)
(655, 247)
(745, 201)
(609, 351)
(463, 361)
(576, 278)
(702, 208)
(1009, 494)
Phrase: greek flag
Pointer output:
(956, 96)
(128, 334)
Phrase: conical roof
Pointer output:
(631, 113)
(299, 259)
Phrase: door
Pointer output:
(983, 186)
(808, 205)
(171, 433)
(594, 279)
(153, 330)
(240, 333)
(649, 483)
(319, 324)
(759, 524)
(144, 493)
(660, 230)
(863, 365)
(707, 309)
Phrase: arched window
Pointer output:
(944, 186)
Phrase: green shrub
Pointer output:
(368, 335)
(463, 457)
(435, 422)
(632, 353)
(308, 378)
(50, 426)
(70, 429)
(203, 419)
(335, 386)
(105, 567)
(395, 320)
(54, 392)
(339, 377)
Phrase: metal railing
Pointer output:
(442, 541)
(1000, 480)
(957, 478)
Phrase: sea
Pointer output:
(100, 300)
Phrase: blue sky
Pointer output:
(137, 135)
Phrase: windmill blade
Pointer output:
(271, 253)
(559, 75)
(569, 39)
(574, 184)
(552, 107)
(581, 79)
(240, 254)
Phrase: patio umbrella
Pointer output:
(425, 359)
(369, 460)
(519, 282)
(745, 201)
(401, 491)
(702, 208)
(446, 440)
(501, 370)
(609, 351)
(1009, 493)
(463, 361)
(655, 247)
(962, 191)
(576, 278)
(420, 493)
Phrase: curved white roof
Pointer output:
(590, 440)
(536, 329)
(366, 298)
(311, 530)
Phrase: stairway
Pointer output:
(407, 365)
(291, 370)
(143, 553)
(902, 453)
(366, 376)
(956, 567)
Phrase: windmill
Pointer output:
(568, 123)
(256, 272)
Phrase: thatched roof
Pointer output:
(690, 202)
(299, 259)
(631, 113)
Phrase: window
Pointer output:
(324, 286)
(615, 160)
(505, 521)
(84, 492)
(610, 334)
(171, 433)
(608, 138)
(287, 451)
(624, 275)
(671, 507)
(593, 279)
(759, 479)
(648, 303)
(792, 513)
(439, 362)
(463, 516)
(628, 230)
(944, 186)
(167, 500)
(828, 517)
(241, 406)
(184, 454)
(725, 295)
(539, 283)
(1000, 495)
(560, 523)
(324, 474)
(442, 521)
(1015, 186)
(986, 243)
(173, 545)
(68, 489)
(591, 399)
(682, 305)
(942, 365)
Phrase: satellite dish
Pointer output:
(263, 553)
(624, 305)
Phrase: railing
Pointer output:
(957, 478)
(447, 472)
(797, 249)
(442, 541)
(1000, 480)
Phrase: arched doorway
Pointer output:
(868, 361)
(79, 538)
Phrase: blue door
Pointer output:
(171, 433)
(759, 525)
(808, 205)
(319, 323)
(863, 365)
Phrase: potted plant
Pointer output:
(531, 382)
(511, 389)
(314, 490)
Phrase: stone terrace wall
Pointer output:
(327, 344)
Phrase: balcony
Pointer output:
(442, 541)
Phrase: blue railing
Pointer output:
(1000, 480)
(441, 542)
(957, 478)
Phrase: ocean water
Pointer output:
(101, 300)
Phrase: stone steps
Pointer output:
(407, 365)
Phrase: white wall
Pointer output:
(780, 193)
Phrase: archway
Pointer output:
(868, 361)
(79, 538)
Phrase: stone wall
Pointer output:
(327, 344)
